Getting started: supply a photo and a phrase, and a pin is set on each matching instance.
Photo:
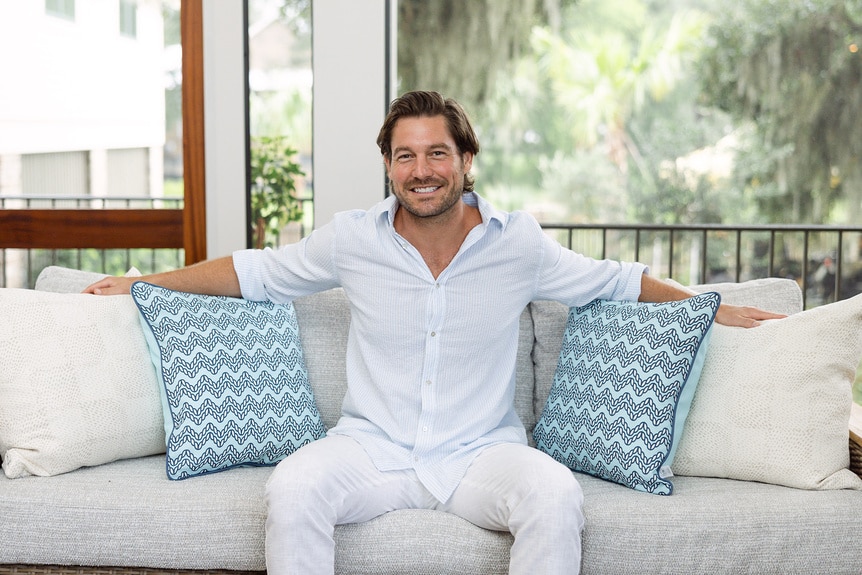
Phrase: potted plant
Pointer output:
(274, 201)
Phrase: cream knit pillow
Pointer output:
(77, 386)
(773, 403)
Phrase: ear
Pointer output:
(467, 160)
(387, 162)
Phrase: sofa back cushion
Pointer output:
(324, 319)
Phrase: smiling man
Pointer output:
(437, 280)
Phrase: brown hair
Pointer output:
(426, 104)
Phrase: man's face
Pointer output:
(426, 170)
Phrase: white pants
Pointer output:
(508, 487)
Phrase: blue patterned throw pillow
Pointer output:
(624, 383)
(234, 386)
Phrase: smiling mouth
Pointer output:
(425, 190)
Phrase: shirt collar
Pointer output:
(387, 208)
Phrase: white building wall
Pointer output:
(54, 99)
(79, 85)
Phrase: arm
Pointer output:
(211, 277)
(654, 290)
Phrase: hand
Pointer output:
(111, 286)
(743, 316)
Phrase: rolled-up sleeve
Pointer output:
(574, 279)
(289, 272)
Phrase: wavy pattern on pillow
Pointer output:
(624, 382)
(235, 388)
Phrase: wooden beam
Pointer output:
(194, 213)
(99, 229)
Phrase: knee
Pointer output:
(556, 493)
(296, 480)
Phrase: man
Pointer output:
(437, 279)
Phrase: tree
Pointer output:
(600, 78)
(794, 70)
(460, 48)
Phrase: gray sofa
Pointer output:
(127, 514)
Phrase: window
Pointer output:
(61, 8)
(652, 112)
(279, 51)
(96, 133)
(129, 18)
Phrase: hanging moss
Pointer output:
(459, 47)
(791, 68)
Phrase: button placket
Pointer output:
(432, 357)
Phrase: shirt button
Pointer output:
(425, 428)
(433, 334)
(416, 458)
(427, 382)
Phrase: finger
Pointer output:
(100, 287)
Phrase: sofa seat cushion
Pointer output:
(133, 516)
(420, 541)
(714, 525)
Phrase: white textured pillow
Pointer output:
(68, 280)
(778, 295)
(773, 404)
(77, 387)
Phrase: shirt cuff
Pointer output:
(246, 264)
(635, 274)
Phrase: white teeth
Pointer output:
(424, 190)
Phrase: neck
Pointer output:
(437, 238)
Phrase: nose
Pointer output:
(421, 168)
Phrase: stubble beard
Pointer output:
(432, 208)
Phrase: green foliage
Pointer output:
(594, 113)
(678, 112)
(274, 201)
(793, 71)
(462, 48)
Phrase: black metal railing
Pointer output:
(824, 260)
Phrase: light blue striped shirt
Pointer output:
(431, 362)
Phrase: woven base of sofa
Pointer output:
(73, 570)
(856, 454)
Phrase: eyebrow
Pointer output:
(441, 145)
